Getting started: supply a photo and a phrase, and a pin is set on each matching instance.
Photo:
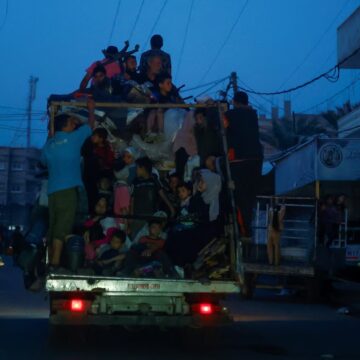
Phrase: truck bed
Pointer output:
(129, 286)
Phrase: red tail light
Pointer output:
(77, 305)
(206, 309)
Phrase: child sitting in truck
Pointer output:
(98, 162)
(147, 193)
(124, 177)
(112, 255)
(190, 233)
(147, 251)
(93, 230)
(105, 190)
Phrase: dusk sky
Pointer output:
(57, 40)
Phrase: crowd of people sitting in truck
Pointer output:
(143, 218)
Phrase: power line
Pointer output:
(155, 23)
(137, 19)
(206, 84)
(224, 42)
(185, 37)
(210, 88)
(114, 21)
(260, 96)
(328, 75)
(315, 46)
(5, 16)
(331, 97)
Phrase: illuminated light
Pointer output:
(206, 309)
(77, 305)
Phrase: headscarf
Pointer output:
(212, 192)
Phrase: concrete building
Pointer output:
(349, 125)
(18, 184)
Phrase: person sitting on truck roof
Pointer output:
(102, 88)
(163, 94)
(147, 250)
(153, 70)
(131, 72)
(112, 255)
(62, 156)
(156, 43)
(147, 192)
(112, 67)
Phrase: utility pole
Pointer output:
(233, 80)
(32, 94)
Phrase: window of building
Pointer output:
(2, 187)
(17, 165)
(15, 188)
(32, 165)
(2, 165)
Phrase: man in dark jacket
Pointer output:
(207, 137)
(245, 156)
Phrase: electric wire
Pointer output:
(185, 37)
(136, 20)
(307, 83)
(204, 85)
(307, 56)
(331, 97)
(225, 41)
(2, 25)
(155, 23)
(114, 21)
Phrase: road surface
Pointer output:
(268, 327)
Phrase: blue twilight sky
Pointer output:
(57, 40)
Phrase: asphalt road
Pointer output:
(268, 327)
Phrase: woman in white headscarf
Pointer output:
(210, 186)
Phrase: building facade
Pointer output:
(19, 185)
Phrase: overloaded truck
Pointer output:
(82, 298)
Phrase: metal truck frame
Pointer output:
(99, 300)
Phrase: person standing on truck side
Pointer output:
(207, 137)
(156, 43)
(276, 226)
(61, 155)
(245, 154)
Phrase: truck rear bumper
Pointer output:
(214, 320)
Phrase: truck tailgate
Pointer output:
(70, 283)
